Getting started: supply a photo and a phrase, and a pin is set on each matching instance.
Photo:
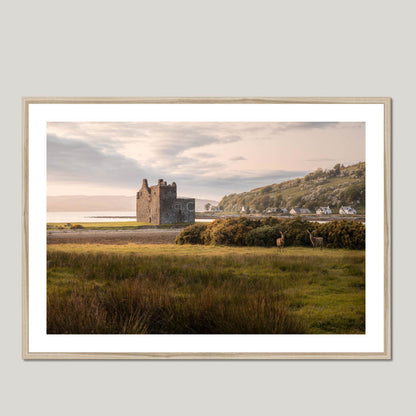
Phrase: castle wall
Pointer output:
(185, 209)
(159, 204)
(154, 205)
(168, 215)
(143, 201)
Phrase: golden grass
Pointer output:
(202, 250)
(130, 288)
(120, 225)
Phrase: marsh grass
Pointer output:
(169, 289)
(121, 225)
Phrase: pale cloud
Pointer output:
(206, 159)
(321, 159)
(80, 161)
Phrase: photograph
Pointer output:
(206, 228)
(167, 223)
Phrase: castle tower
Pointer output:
(159, 204)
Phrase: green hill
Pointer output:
(334, 187)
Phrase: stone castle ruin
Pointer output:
(159, 204)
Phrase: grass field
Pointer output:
(204, 289)
(122, 225)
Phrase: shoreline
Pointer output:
(139, 236)
(311, 217)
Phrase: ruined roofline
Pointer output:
(160, 182)
(145, 185)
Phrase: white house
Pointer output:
(347, 211)
(324, 211)
(297, 211)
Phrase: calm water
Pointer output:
(93, 216)
(97, 216)
(105, 216)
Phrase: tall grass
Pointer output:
(119, 225)
(230, 292)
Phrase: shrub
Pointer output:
(77, 227)
(231, 231)
(297, 232)
(192, 234)
(264, 236)
(246, 232)
(343, 234)
(295, 228)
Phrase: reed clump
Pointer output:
(110, 292)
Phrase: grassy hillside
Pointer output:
(334, 187)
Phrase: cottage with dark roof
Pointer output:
(324, 211)
(299, 211)
(347, 211)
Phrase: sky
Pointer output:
(207, 160)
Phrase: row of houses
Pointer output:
(347, 210)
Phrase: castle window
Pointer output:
(177, 205)
(190, 206)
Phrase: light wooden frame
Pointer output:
(386, 354)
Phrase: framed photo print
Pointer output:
(206, 228)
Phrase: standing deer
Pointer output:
(280, 242)
(316, 241)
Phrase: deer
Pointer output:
(280, 242)
(316, 241)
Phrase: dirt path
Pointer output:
(148, 236)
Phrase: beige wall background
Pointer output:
(216, 48)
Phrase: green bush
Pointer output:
(264, 236)
(343, 234)
(246, 232)
(297, 234)
(230, 232)
(192, 234)
(295, 230)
